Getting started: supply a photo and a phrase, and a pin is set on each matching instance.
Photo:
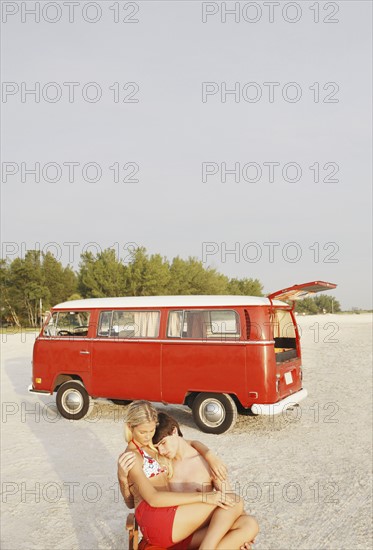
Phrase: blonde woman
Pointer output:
(170, 519)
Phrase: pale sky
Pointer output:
(169, 134)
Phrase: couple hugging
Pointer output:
(178, 488)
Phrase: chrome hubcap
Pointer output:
(212, 413)
(72, 401)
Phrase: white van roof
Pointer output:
(168, 301)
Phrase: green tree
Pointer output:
(245, 287)
(101, 275)
(27, 287)
(38, 280)
(148, 276)
(8, 312)
(307, 305)
(60, 281)
(191, 277)
(75, 296)
(327, 303)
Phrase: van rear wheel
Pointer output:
(214, 413)
(72, 400)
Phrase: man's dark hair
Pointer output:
(165, 427)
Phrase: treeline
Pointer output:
(40, 280)
(319, 304)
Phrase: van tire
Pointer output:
(214, 413)
(72, 400)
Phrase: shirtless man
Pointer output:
(192, 473)
(189, 472)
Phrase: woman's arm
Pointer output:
(217, 466)
(159, 499)
(125, 462)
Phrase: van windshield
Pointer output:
(68, 323)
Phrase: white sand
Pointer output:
(306, 478)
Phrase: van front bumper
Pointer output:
(31, 389)
(280, 406)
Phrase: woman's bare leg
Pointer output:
(189, 518)
(244, 529)
(221, 522)
(198, 537)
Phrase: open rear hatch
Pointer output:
(298, 292)
(286, 336)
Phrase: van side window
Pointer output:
(224, 324)
(203, 324)
(128, 324)
(104, 323)
(175, 322)
(68, 323)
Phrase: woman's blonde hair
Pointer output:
(138, 413)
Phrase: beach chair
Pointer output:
(133, 536)
(133, 532)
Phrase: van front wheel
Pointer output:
(214, 413)
(72, 400)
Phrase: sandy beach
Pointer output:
(306, 475)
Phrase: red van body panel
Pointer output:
(217, 367)
(54, 357)
(126, 369)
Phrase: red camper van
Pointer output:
(216, 354)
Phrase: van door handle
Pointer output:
(84, 352)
